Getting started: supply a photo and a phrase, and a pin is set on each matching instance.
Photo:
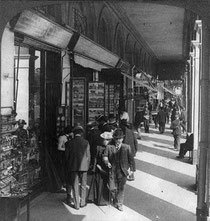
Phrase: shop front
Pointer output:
(49, 81)
(31, 93)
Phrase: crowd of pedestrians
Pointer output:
(106, 151)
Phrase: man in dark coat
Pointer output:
(118, 158)
(175, 126)
(93, 137)
(161, 118)
(112, 123)
(130, 139)
(77, 154)
(187, 146)
(139, 118)
(183, 119)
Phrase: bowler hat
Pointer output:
(101, 118)
(78, 128)
(118, 134)
(106, 135)
(92, 124)
(21, 121)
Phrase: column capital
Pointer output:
(198, 25)
(195, 44)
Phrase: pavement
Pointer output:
(163, 189)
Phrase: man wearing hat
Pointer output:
(112, 124)
(118, 159)
(21, 133)
(176, 127)
(77, 154)
(131, 140)
(93, 137)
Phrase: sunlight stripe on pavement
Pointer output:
(164, 190)
(167, 163)
(93, 212)
(158, 146)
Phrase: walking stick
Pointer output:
(109, 187)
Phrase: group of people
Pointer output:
(178, 125)
(106, 150)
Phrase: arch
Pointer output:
(144, 61)
(129, 49)
(119, 41)
(136, 54)
(104, 29)
(140, 58)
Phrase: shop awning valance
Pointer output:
(142, 84)
(90, 49)
(89, 62)
(37, 26)
(166, 89)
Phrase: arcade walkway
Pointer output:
(163, 190)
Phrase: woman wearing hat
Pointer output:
(101, 170)
(118, 159)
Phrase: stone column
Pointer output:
(203, 174)
(7, 71)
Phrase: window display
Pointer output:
(112, 98)
(19, 159)
(96, 95)
(78, 101)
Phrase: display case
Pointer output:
(19, 160)
(78, 101)
(112, 99)
(96, 100)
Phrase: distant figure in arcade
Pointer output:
(183, 119)
(173, 113)
(187, 146)
(161, 118)
(176, 127)
(138, 120)
(146, 119)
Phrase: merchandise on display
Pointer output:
(19, 160)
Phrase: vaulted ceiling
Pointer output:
(161, 26)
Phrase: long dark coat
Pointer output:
(77, 154)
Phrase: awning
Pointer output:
(37, 26)
(89, 62)
(166, 89)
(139, 82)
(90, 49)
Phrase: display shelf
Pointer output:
(7, 132)
(16, 154)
